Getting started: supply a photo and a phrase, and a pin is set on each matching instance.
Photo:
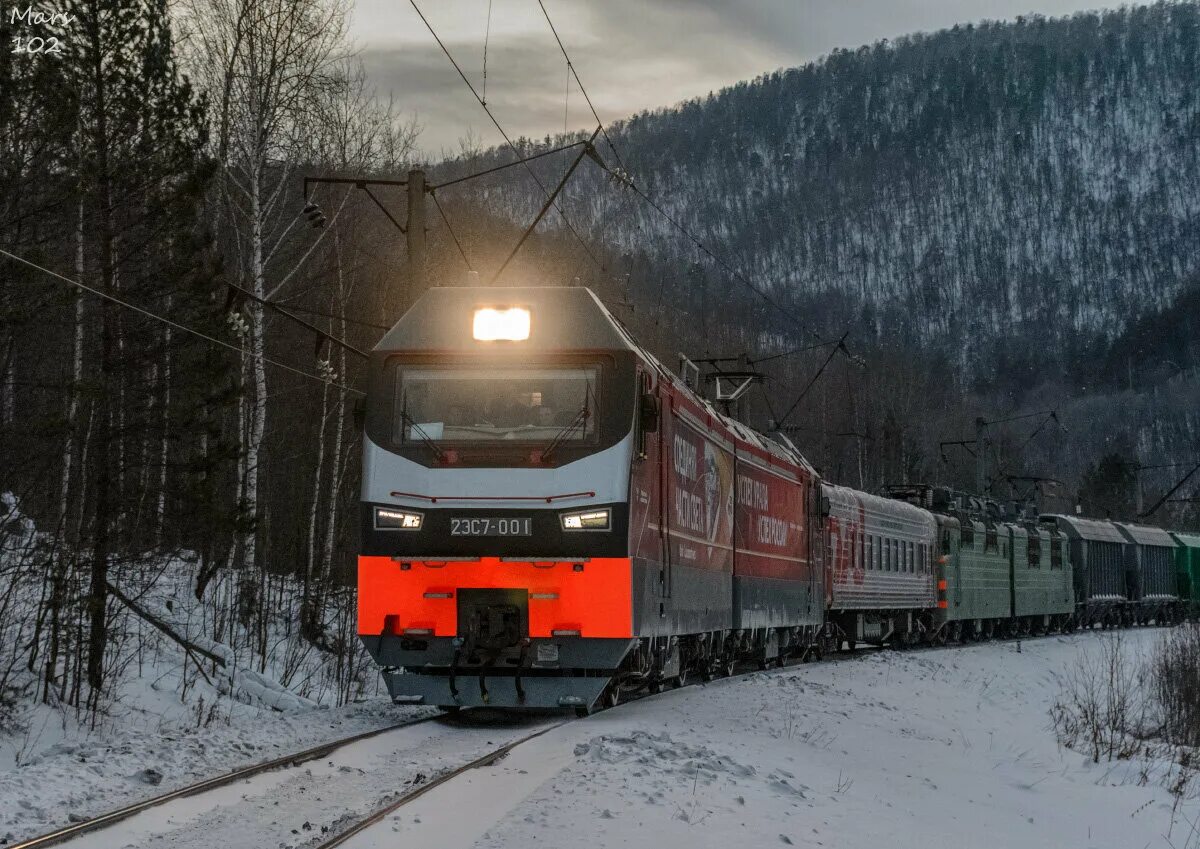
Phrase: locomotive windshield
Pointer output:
(473, 404)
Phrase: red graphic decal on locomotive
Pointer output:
(772, 539)
(700, 505)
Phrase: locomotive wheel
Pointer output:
(655, 687)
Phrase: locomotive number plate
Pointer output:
(491, 527)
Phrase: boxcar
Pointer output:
(1150, 564)
(1187, 569)
(1097, 551)
(1041, 572)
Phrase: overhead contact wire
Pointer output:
(175, 324)
(500, 129)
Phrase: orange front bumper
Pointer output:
(595, 600)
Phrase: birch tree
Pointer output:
(265, 64)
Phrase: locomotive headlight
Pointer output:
(387, 519)
(592, 520)
(493, 324)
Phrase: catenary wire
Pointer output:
(728, 269)
(174, 323)
(512, 146)
(579, 82)
(326, 314)
(453, 235)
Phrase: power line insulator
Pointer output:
(315, 216)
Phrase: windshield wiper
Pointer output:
(580, 418)
(405, 418)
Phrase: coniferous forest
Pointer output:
(1000, 220)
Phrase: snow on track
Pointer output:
(945, 748)
(292, 807)
(902, 749)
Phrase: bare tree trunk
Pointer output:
(160, 509)
(310, 565)
(339, 437)
(104, 507)
(258, 409)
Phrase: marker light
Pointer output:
(592, 520)
(501, 323)
(396, 520)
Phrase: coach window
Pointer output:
(1055, 554)
(991, 540)
(968, 535)
(912, 559)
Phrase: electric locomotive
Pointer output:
(550, 517)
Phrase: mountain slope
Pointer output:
(1033, 179)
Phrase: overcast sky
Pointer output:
(630, 54)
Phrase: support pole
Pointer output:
(416, 232)
(981, 452)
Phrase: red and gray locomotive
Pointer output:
(551, 518)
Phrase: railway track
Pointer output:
(75, 830)
(487, 759)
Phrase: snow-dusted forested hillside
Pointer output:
(1000, 216)
(1007, 181)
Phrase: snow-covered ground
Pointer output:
(163, 722)
(81, 778)
(935, 748)
(951, 747)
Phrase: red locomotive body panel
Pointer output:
(699, 472)
(772, 532)
(590, 599)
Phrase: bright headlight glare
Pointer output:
(493, 324)
(387, 519)
(592, 520)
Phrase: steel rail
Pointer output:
(112, 817)
(486, 759)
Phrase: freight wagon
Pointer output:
(1187, 570)
(1102, 584)
(1150, 564)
